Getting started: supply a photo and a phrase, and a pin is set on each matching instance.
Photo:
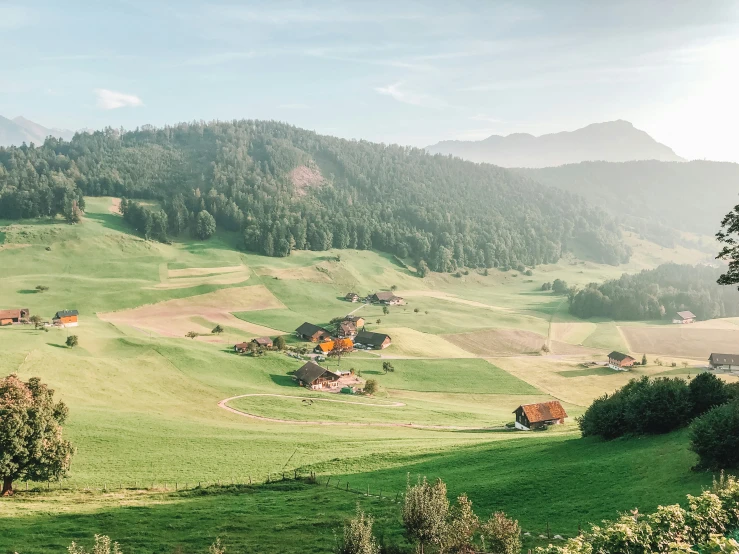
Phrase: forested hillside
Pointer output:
(656, 293)
(651, 195)
(286, 188)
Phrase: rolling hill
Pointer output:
(18, 130)
(613, 141)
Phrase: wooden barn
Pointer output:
(15, 315)
(387, 298)
(538, 416)
(66, 318)
(328, 346)
(313, 333)
(374, 341)
(684, 317)
(315, 377)
(264, 342)
(728, 362)
(241, 347)
(352, 297)
(619, 361)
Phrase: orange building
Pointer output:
(66, 318)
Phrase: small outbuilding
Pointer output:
(684, 317)
(352, 297)
(375, 341)
(66, 318)
(538, 416)
(241, 347)
(315, 377)
(264, 342)
(727, 362)
(620, 361)
(313, 333)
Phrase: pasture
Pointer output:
(144, 400)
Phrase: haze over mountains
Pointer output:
(18, 130)
(613, 141)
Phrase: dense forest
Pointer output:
(286, 188)
(656, 199)
(657, 293)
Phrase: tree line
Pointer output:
(657, 293)
(443, 212)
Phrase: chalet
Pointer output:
(241, 347)
(352, 297)
(619, 361)
(356, 319)
(313, 376)
(66, 318)
(538, 416)
(684, 317)
(375, 341)
(347, 329)
(328, 346)
(264, 342)
(313, 333)
(386, 297)
(728, 362)
(19, 315)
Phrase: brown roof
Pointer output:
(619, 356)
(348, 327)
(544, 411)
(312, 371)
(262, 341)
(686, 315)
(385, 296)
(12, 314)
(308, 330)
(241, 346)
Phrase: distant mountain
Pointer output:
(19, 130)
(613, 141)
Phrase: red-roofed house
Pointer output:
(537, 416)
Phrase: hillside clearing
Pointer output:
(687, 341)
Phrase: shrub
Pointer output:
(425, 511)
(279, 343)
(103, 545)
(707, 391)
(501, 534)
(358, 538)
(72, 341)
(714, 436)
(370, 387)
(217, 330)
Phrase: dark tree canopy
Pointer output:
(285, 188)
(31, 443)
(729, 237)
(657, 293)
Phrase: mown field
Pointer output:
(144, 399)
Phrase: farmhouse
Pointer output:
(241, 347)
(386, 297)
(537, 416)
(619, 361)
(376, 341)
(352, 297)
(313, 376)
(18, 315)
(66, 318)
(684, 317)
(265, 342)
(728, 362)
(328, 346)
(313, 333)
(358, 320)
(347, 329)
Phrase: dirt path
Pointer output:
(224, 404)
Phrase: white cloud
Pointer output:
(219, 58)
(408, 97)
(110, 99)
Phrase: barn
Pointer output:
(315, 377)
(684, 317)
(66, 318)
(374, 341)
(728, 362)
(619, 361)
(539, 416)
(386, 297)
(15, 315)
(313, 333)
(264, 342)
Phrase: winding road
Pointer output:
(224, 404)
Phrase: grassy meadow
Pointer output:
(144, 410)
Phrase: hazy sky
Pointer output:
(407, 72)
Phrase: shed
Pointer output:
(386, 297)
(241, 347)
(684, 317)
(263, 341)
(15, 315)
(538, 416)
(313, 333)
(376, 341)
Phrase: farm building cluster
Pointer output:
(350, 334)
(22, 316)
(385, 298)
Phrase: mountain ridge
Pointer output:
(16, 131)
(611, 141)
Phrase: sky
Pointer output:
(396, 72)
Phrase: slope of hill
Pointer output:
(613, 141)
(18, 130)
(692, 196)
(286, 188)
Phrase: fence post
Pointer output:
(327, 481)
(347, 485)
(367, 490)
(250, 479)
(549, 533)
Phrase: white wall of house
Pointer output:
(617, 367)
(521, 427)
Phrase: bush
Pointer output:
(72, 341)
(501, 534)
(370, 387)
(279, 343)
(707, 391)
(714, 436)
(358, 538)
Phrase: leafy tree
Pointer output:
(358, 538)
(714, 436)
(205, 225)
(387, 367)
(72, 341)
(644, 359)
(217, 330)
(42, 288)
(425, 513)
(36, 320)
(423, 269)
(378, 321)
(370, 386)
(461, 527)
(559, 287)
(339, 348)
(415, 310)
(279, 343)
(729, 237)
(72, 211)
(394, 288)
(707, 391)
(546, 286)
(501, 534)
(191, 334)
(385, 310)
(31, 442)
